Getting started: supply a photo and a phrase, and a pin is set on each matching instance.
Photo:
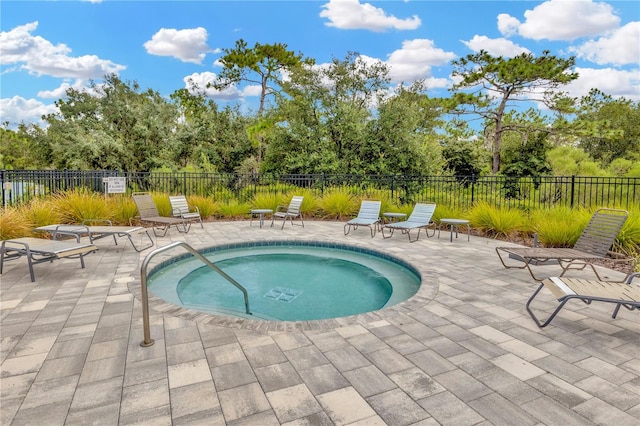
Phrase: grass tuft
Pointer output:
(76, 205)
(498, 222)
(339, 205)
(14, 223)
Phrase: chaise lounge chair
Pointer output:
(292, 211)
(564, 289)
(180, 208)
(593, 244)
(149, 213)
(369, 215)
(95, 232)
(419, 219)
(38, 250)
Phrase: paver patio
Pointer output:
(463, 352)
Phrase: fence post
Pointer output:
(184, 183)
(473, 188)
(573, 187)
(393, 182)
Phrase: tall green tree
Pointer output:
(114, 126)
(463, 152)
(208, 138)
(262, 64)
(326, 121)
(493, 85)
(613, 127)
(16, 148)
(401, 138)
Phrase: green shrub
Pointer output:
(14, 223)
(76, 205)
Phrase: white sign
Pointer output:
(117, 185)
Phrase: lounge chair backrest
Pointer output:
(422, 213)
(601, 231)
(295, 204)
(145, 204)
(370, 210)
(179, 205)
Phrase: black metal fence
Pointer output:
(20, 186)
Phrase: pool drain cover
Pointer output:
(283, 294)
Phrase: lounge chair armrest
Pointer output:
(632, 276)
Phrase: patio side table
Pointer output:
(393, 217)
(454, 224)
(260, 214)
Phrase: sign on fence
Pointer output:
(115, 185)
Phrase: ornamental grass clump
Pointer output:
(14, 223)
(628, 241)
(232, 209)
(558, 226)
(163, 204)
(309, 203)
(205, 205)
(264, 200)
(497, 221)
(76, 205)
(41, 212)
(124, 210)
(339, 205)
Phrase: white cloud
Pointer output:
(188, 45)
(41, 57)
(495, 46)
(197, 83)
(352, 15)
(608, 80)
(621, 47)
(17, 110)
(562, 20)
(507, 25)
(415, 59)
(61, 91)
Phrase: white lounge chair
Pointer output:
(180, 208)
(95, 232)
(420, 218)
(38, 250)
(369, 215)
(593, 245)
(292, 211)
(564, 289)
(149, 213)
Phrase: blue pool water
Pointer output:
(287, 282)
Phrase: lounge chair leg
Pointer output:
(553, 314)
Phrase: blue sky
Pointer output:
(48, 46)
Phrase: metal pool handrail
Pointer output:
(148, 341)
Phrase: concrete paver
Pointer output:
(462, 351)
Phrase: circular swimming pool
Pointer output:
(286, 281)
